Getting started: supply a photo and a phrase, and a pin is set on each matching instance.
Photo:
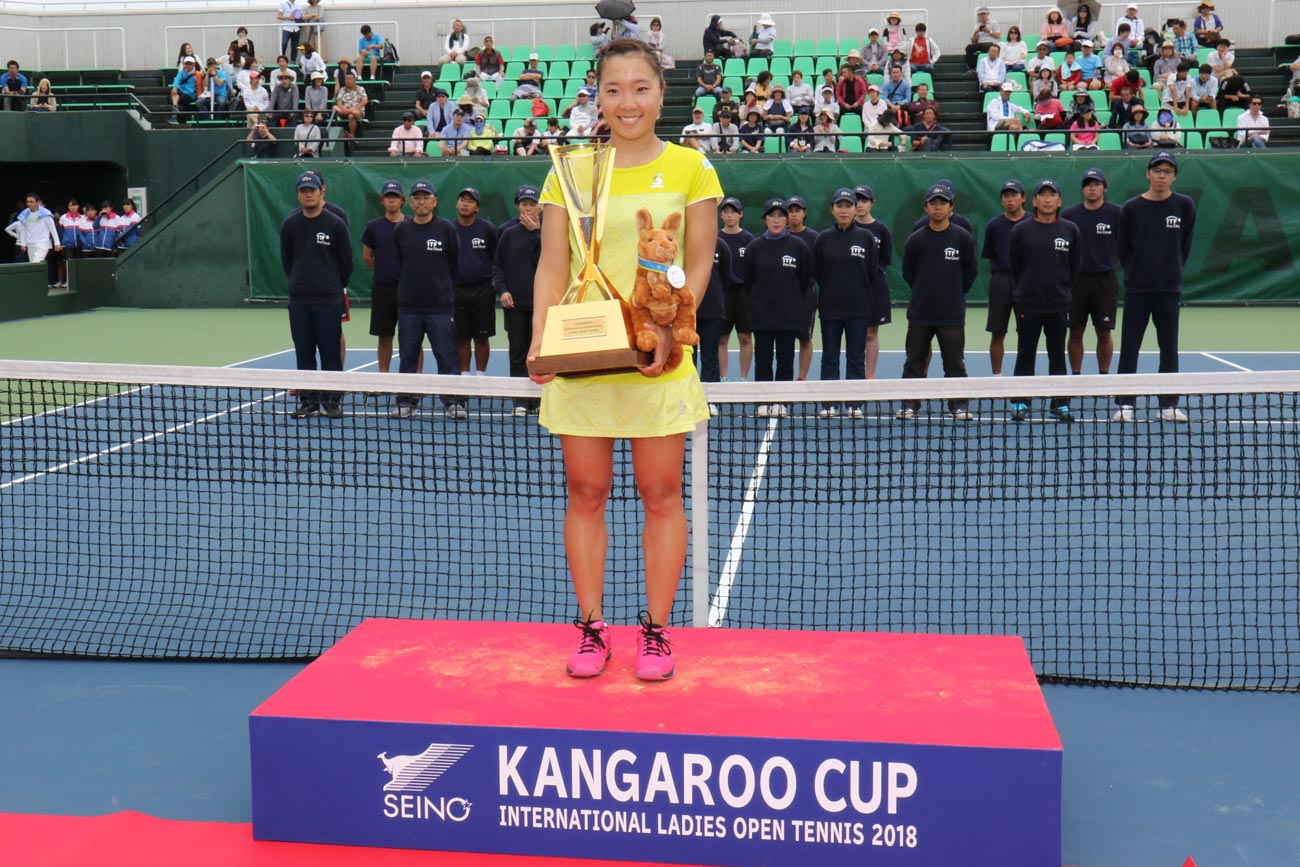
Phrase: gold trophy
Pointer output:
(590, 330)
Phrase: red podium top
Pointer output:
(977, 691)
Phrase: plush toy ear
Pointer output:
(644, 222)
(673, 223)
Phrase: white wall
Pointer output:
(416, 26)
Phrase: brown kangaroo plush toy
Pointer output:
(660, 294)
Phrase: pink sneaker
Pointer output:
(594, 649)
(654, 652)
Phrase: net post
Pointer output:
(700, 525)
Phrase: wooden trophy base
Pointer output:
(591, 363)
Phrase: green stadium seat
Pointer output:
(806, 66)
(1056, 138)
(511, 126)
(830, 62)
(1024, 138)
(828, 47)
(1021, 98)
(1145, 75)
(578, 69)
(1031, 42)
(755, 66)
(851, 123)
(449, 72)
(1019, 79)
(1193, 141)
(586, 51)
(513, 68)
(707, 103)
(923, 78)
(571, 88)
(782, 48)
(774, 144)
(1151, 98)
(457, 89)
(851, 144)
(499, 109)
(545, 53)
(524, 108)
(432, 149)
(1103, 116)
(1230, 116)
(1203, 55)
(520, 53)
(876, 78)
(490, 88)
(734, 66)
(848, 44)
(1109, 141)
(558, 69)
(506, 86)
(735, 84)
(780, 67)
(1208, 118)
(565, 52)
(1000, 143)
(1058, 57)
(552, 88)
(802, 48)
(503, 50)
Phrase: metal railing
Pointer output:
(177, 33)
(872, 18)
(504, 29)
(120, 32)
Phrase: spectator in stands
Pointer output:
(992, 71)
(874, 53)
(426, 95)
(1207, 25)
(1082, 26)
(762, 86)
(1048, 110)
(718, 39)
(15, 88)
(184, 91)
(370, 47)
(489, 62)
(752, 133)
(760, 44)
(898, 60)
(921, 101)
(1040, 60)
(777, 111)
(526, 141)
(289, 15)
(483, 141)
(1124, 41)
(456, 46)
(800, 94)
(341, 72)
(455, 138)
(350, 104)
(214, 93)
(826, 102)
(626, 28)
(1069, 73)
(407, 139)
(1252, 126)
(439, 114)
(1084, 131)
(316, 97)
(584, 115)
(1221, 58)
(231, 65)
(530, 80)
(874, 107)
(1136, 27)
(725, 134)
(241, 45)
(1002, 110)
(1055, 32)
(1044, 82)
(1116, 64)
(655, 40)
(599, 35)
(826, 134)
(257, 99)
(306, 136)
(284, 99)
(881, 134)
(478, 96)
(552, 136)
(927, 133)
(921, 51)
(1235, 91)
(1166, 133)
(895, 34)
(1121, 107)
(261, 141)
(1136, 131)
(312, 32)
(986, 34)
(897, 92)
(1204, 90)
(1090, 68)
(282, 67)
(708, 76)
(1184, 42)
(799, 135)
(725, 102)
(850, 91)
(750, 102)
(1014, 51)
(1164, 67)
(1079, 103)
(854, 59)
(312, 61)
(43, 98)
(1178, 93)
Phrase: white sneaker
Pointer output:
(402, 411)
(520, 411)
(713, 409)
(962, 414)
(1124, 413)
(1172, 413)
(829, 412)
(457, 411)
(855, 412)
(763, 410)
(779, 411)
(905, 413)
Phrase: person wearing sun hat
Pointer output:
(874, 52)
(1207, 26)
(987, 33)
(1136, 130)
(760, 44)
(894, 33)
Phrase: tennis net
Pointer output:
(151, 512)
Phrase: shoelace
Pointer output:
(655, 642)
(591, 639)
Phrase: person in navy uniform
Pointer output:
(845, 266)
(778, 274)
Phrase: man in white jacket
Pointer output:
(35, 234)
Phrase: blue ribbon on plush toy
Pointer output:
(676, 276)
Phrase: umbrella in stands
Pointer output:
(615, 10)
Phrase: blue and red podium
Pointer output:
(769, 747)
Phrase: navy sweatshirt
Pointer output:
(940, 268)
(515, 268)
(505, 227)
(956, 219)
(1155, 239)
(845, 265)
(378, 236)
(1099, 234)
(884, 243)
(737, 242)
(427, 255)
(316, 254)
(1045, 261)
(778, 272)
(712, 305)
(808, 236)
(997, 241)
(478, 245)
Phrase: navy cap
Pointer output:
(471, 192)
(423, 187)
(1011, 185)
(391, 187)
(1162, 157)
(438, 91)
(527, 191)
(939, 191)
(309, 180)
(862, 191)
(732, 202)
(1094, 175)
(796, 200)
(776, 204)
(408, 115)
(1047, 184)
(843, 194)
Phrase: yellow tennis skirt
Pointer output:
(625, 405)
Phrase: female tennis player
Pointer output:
(654, 408)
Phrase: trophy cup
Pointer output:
(590, 330)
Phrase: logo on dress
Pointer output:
(789, 262)
(1104, 229)
(433, 245)
(1062, 245)
(323, 239)
(951, 254)
(1173, 222)
(657, 182)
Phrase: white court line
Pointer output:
(84, 459)
(136, 390)
(718, 608)
(1213, 357)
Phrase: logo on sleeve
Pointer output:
(951, 254)
(323, 239)
(433, 245)
(1105, 229)
(705, 162)
(789, 262)
(1172, 222)
(1062, 245)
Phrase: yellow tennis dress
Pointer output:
(631, 405)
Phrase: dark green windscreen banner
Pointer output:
(1247, 230)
